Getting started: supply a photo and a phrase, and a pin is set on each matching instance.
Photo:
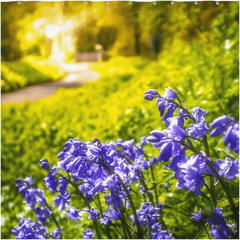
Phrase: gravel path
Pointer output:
(77, 74)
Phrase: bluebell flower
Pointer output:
(106, 220)
(114, 200)
(217, 131)
(231, 137)
(156, 227)
(167, 186)
(50, 181)
(198, 130)
(148, 97)
(144, 141)
(152, 92)
(40, 197)
(161, 106)
(56, 233)
(190, 174)
(42, 214)
(162, 234)
(219, 227)
(160, 205)
(87, 189)
(62, 201)
(166, 151)
(148, 215)
(62, 185)
(199, 114)
(153, 161)
(169, 113)
(197, 216)
(169, 93)
(94, 150)
(114, 214)
(142, 190)
(45, 164)
(29, 180)
(88, 234)
(228, 168)
(27, 229)
(94, 214)
(177, 120)
(22, 187)
(128, 147)
(158, 135)
(220, 122)
(176, 132)
(73, 214)
(31, 198)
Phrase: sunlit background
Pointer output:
(126, 49)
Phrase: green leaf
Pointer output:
(164, 180)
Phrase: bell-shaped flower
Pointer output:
(228, 168)
(197, 216)
(114, 214)
(56, 233)
(161, 106)
(176, 132)
(165, 152)
(169, 93)
(220, 122)
(219, 227)
(231, 138)
(148, 97)
(62, 201)
(199, 114)
(152, 92)
(88, 234)
(44, 164)
(94, 214)
(106, 220)
(73, 214)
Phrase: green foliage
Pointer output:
(204, 73)
(28, 71)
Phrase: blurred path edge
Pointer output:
(77, 74)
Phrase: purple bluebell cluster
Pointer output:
(27, 229)
(112, 169)
(176, 139)
(219, 228)
(229, 128)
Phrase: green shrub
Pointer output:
(28, 71)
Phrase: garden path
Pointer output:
(77, 74)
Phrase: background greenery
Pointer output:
(30, 70)
(195, 53)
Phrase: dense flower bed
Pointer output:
(89, 169)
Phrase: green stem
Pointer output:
(147, 191)
(101, 213)
(118, 231)
(206, 230)
(124, 229)
(230, 200)
(153, 177)
(139, 231)
(205, 142)
(227, 192)
(128, 227)
(86, 202)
